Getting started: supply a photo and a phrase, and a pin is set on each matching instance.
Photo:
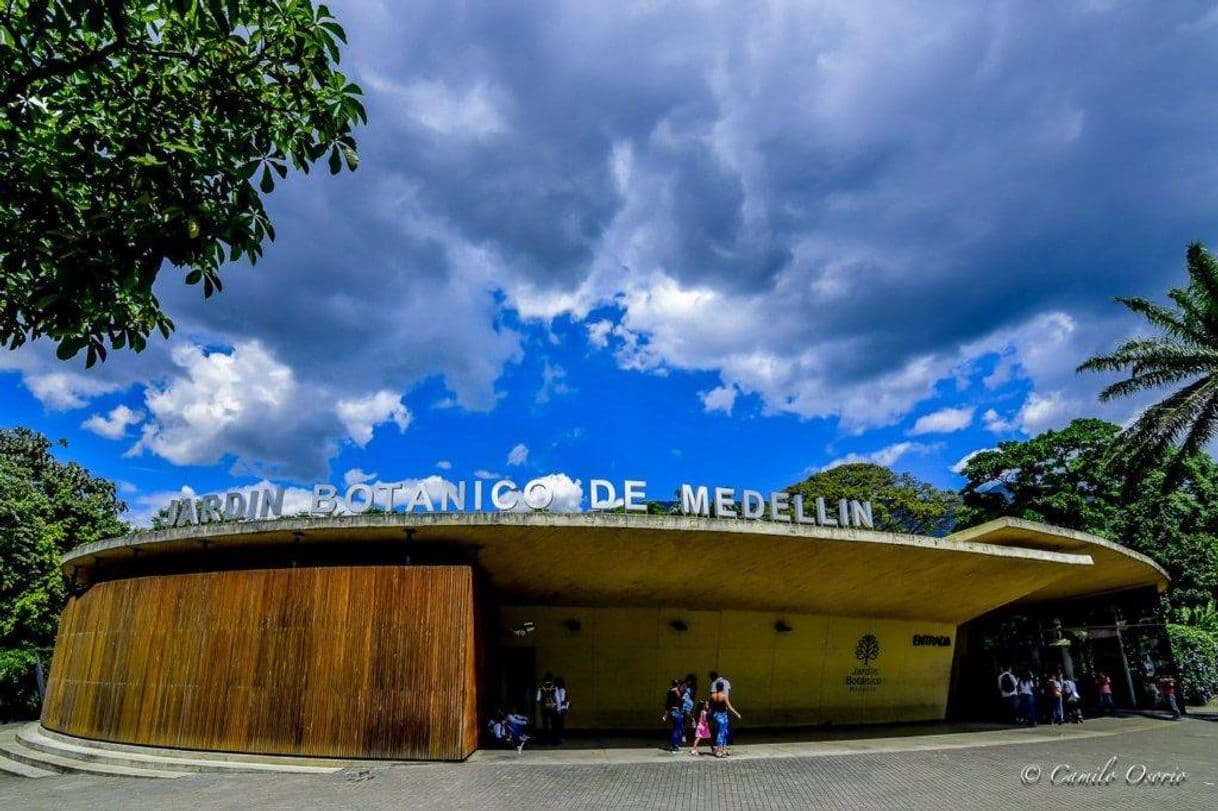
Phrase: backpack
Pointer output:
(1008, 683)
(549, 697)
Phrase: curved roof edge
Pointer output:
(1000, 530)
(304, 526)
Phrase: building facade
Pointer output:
(396, 635)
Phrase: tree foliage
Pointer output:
(1197, 659)
(900, 502)
(136, 135)
(1184, 354)
(1068, 478)
(46, 508)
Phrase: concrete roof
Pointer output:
(694, 562)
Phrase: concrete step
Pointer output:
(16, 767)
(33, 736)
(11, 748)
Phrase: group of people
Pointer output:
(553, 704)
(693, 720)
(1055, 698)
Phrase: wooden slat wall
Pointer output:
(375, 661)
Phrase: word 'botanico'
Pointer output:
(505, 496)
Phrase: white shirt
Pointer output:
(1005, 692)
(1026, 686)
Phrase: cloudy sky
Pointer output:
(681, 242)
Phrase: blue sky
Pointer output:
(728, 245)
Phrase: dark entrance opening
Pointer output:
(517, 679)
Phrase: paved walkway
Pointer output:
(995, 768)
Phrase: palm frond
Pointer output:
(1162, 423)
(1203, 273)
(1176, 324)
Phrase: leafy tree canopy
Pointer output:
(900, 502)
(138, 134)
(46, 508)
(1068, 477)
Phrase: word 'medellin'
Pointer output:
(505, 496)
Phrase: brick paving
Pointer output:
(925, 776)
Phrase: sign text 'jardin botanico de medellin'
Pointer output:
(504, 496)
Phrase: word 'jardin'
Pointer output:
(505, 496)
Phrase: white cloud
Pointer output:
(943, 421)
(958, 468)
(483, 473)
(1041, 412)
(553, 383)
(722, 399)
(444, 464)
(598, 332)
(1038, 413)
(473, 112)
(885, 457)
(361, 415)
(238, 403)
(247, 404)
(65, 390)
(996, 423)
(568, 494)
(357, 476)
(518, 455)
(115, 424)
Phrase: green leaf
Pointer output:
(268, 183)
(336, 164)
(194, 276)
(68, 348)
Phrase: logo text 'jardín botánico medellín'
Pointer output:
(505, 496)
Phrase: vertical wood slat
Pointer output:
(375, 661)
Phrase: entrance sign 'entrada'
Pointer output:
(505, 496)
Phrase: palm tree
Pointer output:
(1185, 353)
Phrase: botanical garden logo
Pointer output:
(866, 678)
(867, 649)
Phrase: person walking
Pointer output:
(564, 706)
(720, 705)
(1104, 684)
(1167, 685)
(701, 726)
(691, 693)
(1074, 701)
(1008, 687)
(547, 706)
(674, 714)
(723, 684)
(1054, 694)
(1027, 698)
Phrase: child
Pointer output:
(702, 728)
(516, 726)
(499, 728)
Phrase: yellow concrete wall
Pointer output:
(619, 664)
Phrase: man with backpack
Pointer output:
(1008, 686)
(548, 707)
